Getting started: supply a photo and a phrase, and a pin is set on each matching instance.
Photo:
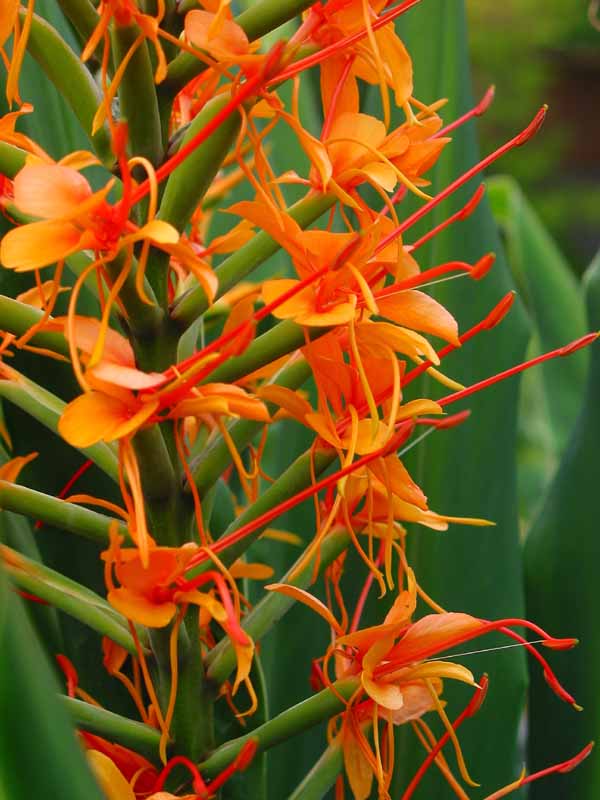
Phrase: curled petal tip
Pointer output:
(577, 707)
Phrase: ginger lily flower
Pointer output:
(73, 218)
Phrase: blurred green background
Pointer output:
(537, 51)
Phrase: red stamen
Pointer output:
(469, 711)
(450, 421)
(343, 44)
(198, 783)
(362, 598)
(239, 764)
(559, 352)
(69, 672)
(335, 97)
(549, 675)
(459, 216)
(68, 485)
(250, 88)
(481, 107)
(565, 766)
(33, 597)
(516, 141)
(261, 521)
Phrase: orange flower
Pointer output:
(218, 35)
(380, 58)
(150, 593)
(73, 218)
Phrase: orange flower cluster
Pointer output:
(166, 394)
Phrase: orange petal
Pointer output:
(50, 191)
(116, 347)
(308, 599)
(126, 376)
(10, 471)
(418, 310)
(112, 781)
(138, 608)
(38, 244)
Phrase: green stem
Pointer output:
(47, 409)
(137, 95)
(70, 597)
(221, 660)
(322, 776)
(158, 483)
(72, 80)
(18, 318)
(289, 723)
(128, 732)
(193, 720)
(281, 340)
(216, 456)
(58, 513)
(82, 15)
(296, 478)
(188, 183)
(241, 263)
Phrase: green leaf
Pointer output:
(40, 756)
(468, 470)
(563, 593)
(551, 296)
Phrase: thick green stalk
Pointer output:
(137, 95)
(221, 659)
(68, 596)
(322, 776)
(215, 457)
(47, 409)
(241, 263)
(159, 484)
(62, 515)
(262, 18)
(193, 720)
(82, 15)
(289, 723)
(18, 318)
(188, 183)
(296, 478)
(72, 80)
(281, 340)
(142, 738)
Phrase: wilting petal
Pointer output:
(38, 244)
(50, 191)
